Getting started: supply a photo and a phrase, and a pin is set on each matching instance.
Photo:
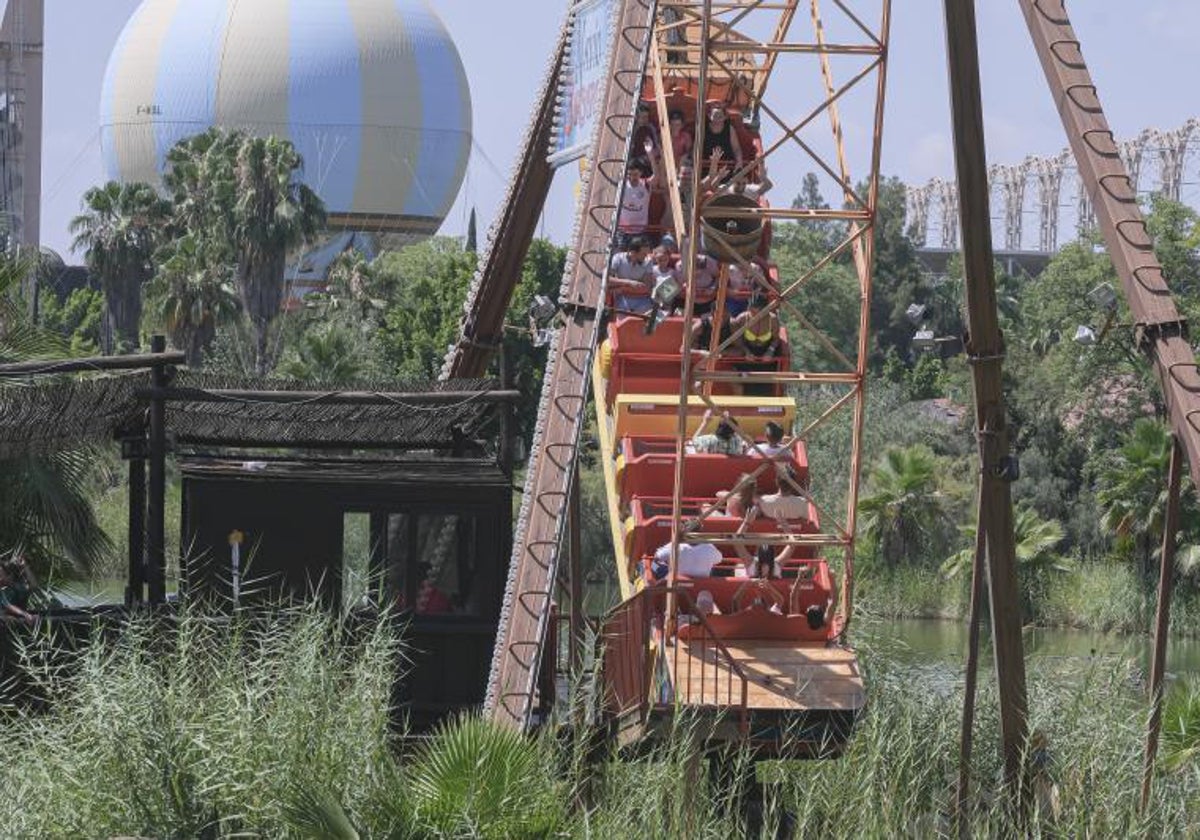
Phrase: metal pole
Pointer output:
(135, 592)
(978, 572)
(985, 351)
(1162, 621)
(156, 548)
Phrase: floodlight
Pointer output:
(542, 309)
(916, 313)
(1085, 336)
(1103, 297)
(666, 292)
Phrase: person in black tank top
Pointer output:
(720, 134)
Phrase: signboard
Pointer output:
(584, 78)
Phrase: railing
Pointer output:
(704, 671)
(626, 635)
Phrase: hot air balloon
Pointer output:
(371, 92)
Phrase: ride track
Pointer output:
(715, 56)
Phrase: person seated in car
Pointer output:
(645, 132)
(741, 184)
(630, 278)
(664, 271)
(724, 441)
(633, 220)
(722, 135)
(790, 504)
(738, 501)
(745, 282)
(774, 446)
(695, 560)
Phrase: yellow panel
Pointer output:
(657, 414)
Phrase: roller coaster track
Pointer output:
(508, 239)
(525, 613)
(1161, 332)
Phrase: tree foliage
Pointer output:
(45, 509)
(118, 231)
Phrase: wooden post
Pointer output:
(978, 572)
(377, 559)
(575, 560)
(135, 591)
(985, 352)
(504, 447)
(1162, 621)
(156, 503)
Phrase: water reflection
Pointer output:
(941, 646)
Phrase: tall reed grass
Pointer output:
(278, 727)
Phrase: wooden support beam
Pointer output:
(575, 561)
(93, 364)
(985, 351)
(1162, 619)
(422, 398)
(135, 589)
(966, 740)
(156, 502)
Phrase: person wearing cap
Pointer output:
(724, 441)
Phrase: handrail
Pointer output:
(630, 658)
(705, 638)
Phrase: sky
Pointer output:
(1142, 56)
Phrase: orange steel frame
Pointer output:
(720, 58)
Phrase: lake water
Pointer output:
(915, 642)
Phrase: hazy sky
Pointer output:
(1143, 56)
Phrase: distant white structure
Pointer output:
(21, 42)
(1157, 162)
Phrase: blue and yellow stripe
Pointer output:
(372, 93)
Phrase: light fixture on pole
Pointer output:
(1085, 336)
(916, 313)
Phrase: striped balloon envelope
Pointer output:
(371, 92)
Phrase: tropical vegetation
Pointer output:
(46, 510)
(278, 726)
(118, 232)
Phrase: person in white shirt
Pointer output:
(774, 446)
(694, 560)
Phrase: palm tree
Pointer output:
(325, 354)
(1133, 492)
(273, 213)
(119, 229)
(195, 293)
(354, 288)
(904, 505)
(44, 506)
(1037, 541)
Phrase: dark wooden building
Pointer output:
(371, 497)
(427, 538)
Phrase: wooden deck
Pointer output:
(781, 677)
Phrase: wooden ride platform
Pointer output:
(802, 700)
(781, 676)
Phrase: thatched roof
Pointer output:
(64, 413)
(396, 423)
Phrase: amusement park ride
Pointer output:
(735, 618)
(756, 667)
